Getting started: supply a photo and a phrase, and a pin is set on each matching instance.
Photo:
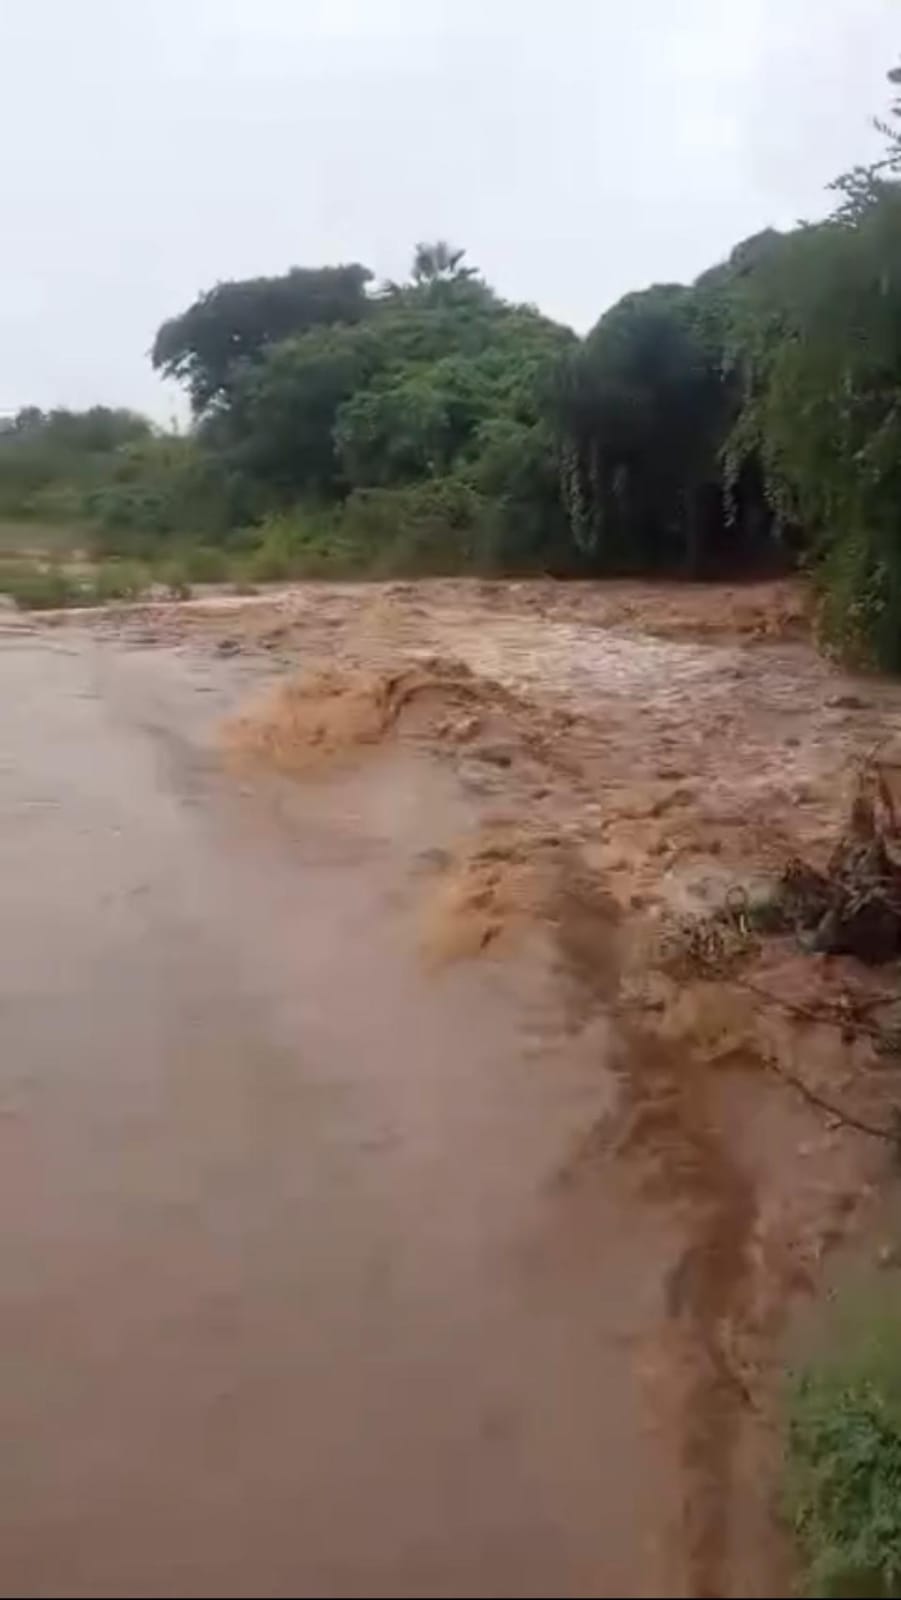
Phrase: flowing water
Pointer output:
(314, 1280)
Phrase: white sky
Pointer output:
(577, 148)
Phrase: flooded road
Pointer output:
(288, 1304)
(380, 1215)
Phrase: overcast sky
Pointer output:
(577, 148)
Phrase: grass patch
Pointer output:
(116, 580)
(843, 1484)
(37, 586)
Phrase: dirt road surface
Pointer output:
(357, 1238)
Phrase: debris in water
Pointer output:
(854, 907)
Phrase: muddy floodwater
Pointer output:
(375, 1222)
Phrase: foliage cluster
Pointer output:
(744, 422)
(50, 460)
(844, 1462)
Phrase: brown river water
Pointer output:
(361, 1235)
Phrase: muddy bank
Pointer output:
(431, 1149)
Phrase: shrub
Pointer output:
(860, 587)
(174, 578)
(844, 1465)
(203, 564)
(271, 562)
(297, 544)
(39, 588)
(118, 580)
(440, 527)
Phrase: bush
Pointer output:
(844, 1465)
(859, 580)
(203, 564)
(39, 588)
(272, 561)
(174, 577)
(303, 543)
(441, 527)
(58, 502)
(118, 580)
(131, 508)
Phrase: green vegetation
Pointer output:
(35, 587)
(45, 586)
(748, 422)
(844, 1463)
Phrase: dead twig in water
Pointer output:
(832, 1017)
(846, 1118)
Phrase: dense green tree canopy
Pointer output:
(730, 425)
(391, 398)
(642, 407)
(817, 339)
(233, 323)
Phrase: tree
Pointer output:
(49, 460)
(395, 433)
(816, 338)
(279, 426)
(394, 398)
(98, 429)
(750, 416)
(641, 411)
(439, 262)
(819, 332)
(207, 346)
(438, 277)
(864, 186)
(516, 469)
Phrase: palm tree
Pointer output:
(439, 262)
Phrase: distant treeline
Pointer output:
(744, 423)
